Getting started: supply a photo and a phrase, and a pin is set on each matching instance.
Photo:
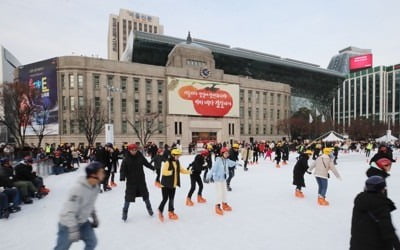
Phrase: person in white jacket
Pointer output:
(322, 166)
(74, 224)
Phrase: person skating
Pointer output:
(218, 174)
(114, 166)
(322, 166)
(278, 154)
(197, 166)
(380, 167)
(208, 160)
(132, 172)
(371, 223)
(233, 156)
(247, 154)
(383, 152)
(317, 151)
(158, 160)
(285, 153)
(298, 172)
(170, 179)
(368, 149)
(74, 224)
(103, 155)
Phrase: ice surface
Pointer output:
(265, 215)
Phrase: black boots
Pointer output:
(124, 215)
(4, 214)
(229, 187)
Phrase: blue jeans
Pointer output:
(322, 186)
(87, 235)
(13, 196)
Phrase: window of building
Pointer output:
(278, 114)
(271, 102)
(136, 84)
(64, 127)
(136, 106)
(72, 103)
(249, 112)
(250, 95)
(257, 113)
(71, 81)
(80, 81)
(140, 27)
(160, 127)
(271, 113)
(63, 81)
(123, 105)
(249, 132)
(112, 104)
(233, 129)
(148, 86)
(150, 28)
(160, 107)
(145, 27)
(135, 25)
(241, 128)
(257, 97)
(241, 111)
(129, 26)
(110, 80)
(178, 128)
(96, 81)
(64, 103)
(241, 95)
(265, 97)
(81, 127)
(81, 102)
(278, 99)
(97, 103)
(264, 130)
(72, 126)
(148, 106)
(257, 129)
(124, 127)
(160, 86)
(155, 29)
(123, 83)
(264, 113)
(137, 16)
(271, 129)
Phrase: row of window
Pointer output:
(195, 63)
(77, 127)
(112, 81)
(97, 103)
(264, 114)
(257, 130)
(264, 97)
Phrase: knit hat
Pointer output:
(132, 147)
(205, 153)
(93, 168)
(383, 162)
(223, 150)
(375, 184)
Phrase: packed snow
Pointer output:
(266, 214)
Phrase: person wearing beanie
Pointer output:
(371, 223)
(322, 166)
(383, 152)
(298, 172)
(197, 166)
(132, 172)
(74, 223)
(380, 167)
(170, 179)
(218, 175)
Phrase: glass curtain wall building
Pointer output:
(371, 93)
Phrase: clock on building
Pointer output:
(204, 72)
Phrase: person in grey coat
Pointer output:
(74, 224)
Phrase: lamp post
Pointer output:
(109, 128)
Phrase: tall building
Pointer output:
(120, 26)
(372, 93)
(8, 63)
(340, 62)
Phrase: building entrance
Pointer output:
(204, 137)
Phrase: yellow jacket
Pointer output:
(168, 173)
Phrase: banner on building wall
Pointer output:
(41, 77)
(360, 62)
(202, 98)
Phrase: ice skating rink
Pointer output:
(266, 214)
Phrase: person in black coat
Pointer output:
(285, 153)
(278, 154)
(298, 172)
(158, 160)
(371, 224)
(103, 155)
(233, 156)
(197, 166)
(380, 167)
(132, 171)
(383, 152)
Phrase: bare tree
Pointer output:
(18, 110)
(39, 129)
(91, 121)
(145, 127)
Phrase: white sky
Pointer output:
(308, 30)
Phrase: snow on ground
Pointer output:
(265, 215)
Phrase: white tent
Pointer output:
(386, 138)
(332, 137)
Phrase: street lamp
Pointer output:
(109, 127)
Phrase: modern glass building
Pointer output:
(311, 85)
(370, 93)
